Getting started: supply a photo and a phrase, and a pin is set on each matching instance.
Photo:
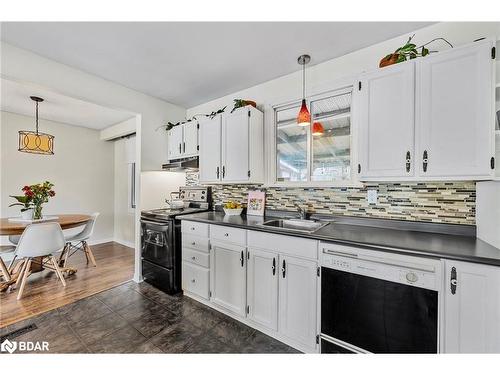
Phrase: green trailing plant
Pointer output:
(169, 125)
(409, 51)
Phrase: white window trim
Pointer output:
(270, 138)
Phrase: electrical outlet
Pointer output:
(372, 196)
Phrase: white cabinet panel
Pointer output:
(262, 291)
(190, 145)
(297, 300)
(472, 309)
(228, 271)
(210, 150)
(175, 142)
(195, 279)
(235, 147)
(455, 120)
(386, 121)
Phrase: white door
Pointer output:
(228, 273)
(455, 91)
(210, 150)
(262, 288)
(190, 139)
(235, 165)
(297, 300)
(175, 142)
(472, 308)
(386, 133)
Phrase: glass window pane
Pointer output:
(291, 145)
(331, 139)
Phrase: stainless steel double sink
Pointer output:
(295, 225)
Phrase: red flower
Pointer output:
(29, 193)
(25, 188)
(52, 193)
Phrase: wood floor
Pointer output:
(44, 292)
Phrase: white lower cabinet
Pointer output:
(297, 300)
(228, 277)
(472, 308)
(195, 279)
(262, 288)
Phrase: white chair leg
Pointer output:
(25, 276)
(58, 271)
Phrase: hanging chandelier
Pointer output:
(36, 142)
(304, 117)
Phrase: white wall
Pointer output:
(81, 169)
(156, 187)
(26, 66)
(488, 212)
(124, 231)
(289, 87)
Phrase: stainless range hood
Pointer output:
(179, 165)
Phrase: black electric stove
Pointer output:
(161, 239)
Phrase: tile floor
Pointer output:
(138, 318)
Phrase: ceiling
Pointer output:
(191, 63)
(15, 97)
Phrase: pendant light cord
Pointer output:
(303, 81)
(36, 117)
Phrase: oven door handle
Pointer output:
(157, 223)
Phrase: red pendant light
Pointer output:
(304, 117)
(317, 129)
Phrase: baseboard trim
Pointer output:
(124, 243)
(100, 241)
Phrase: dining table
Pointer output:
(10, 227)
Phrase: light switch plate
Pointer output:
(372, 196)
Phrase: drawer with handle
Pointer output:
(195, 242)
(195, 279)
(228, 234)
(195, 257)
(192, 227)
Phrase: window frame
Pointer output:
(272, 130)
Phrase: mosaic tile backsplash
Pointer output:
(439, 202)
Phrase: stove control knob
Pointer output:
(203, 192)
(411, 277)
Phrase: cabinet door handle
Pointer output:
(425, 160)
(242, 258)
(223, 171)
(217, 172)
(193, 243)
(184, 147)
(453, 280)
(408, 161)
(283, 269)
(193, 258)
(180, 148)
(274, 266)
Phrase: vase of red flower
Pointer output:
(33, 199)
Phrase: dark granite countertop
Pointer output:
(448, 246)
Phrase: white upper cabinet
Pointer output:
(234, 153)
(386, 118)
(262, 289)
(429, 119)
(235, 147)
(175, 142)
(210, 149)
(472, 308)
(183, 140)
(190, 145)
(455, 119)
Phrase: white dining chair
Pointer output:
(39, 240)
(14, 238)
(78, 242)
